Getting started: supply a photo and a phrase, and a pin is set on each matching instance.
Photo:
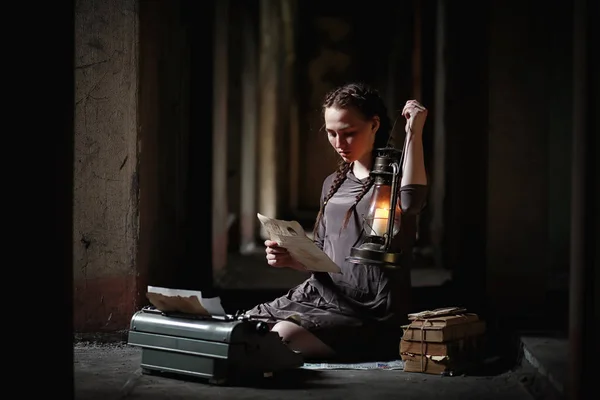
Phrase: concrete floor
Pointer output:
(111, 371)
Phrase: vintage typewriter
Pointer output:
(212, 348)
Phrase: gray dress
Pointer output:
(357, 312)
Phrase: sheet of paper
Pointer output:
(213, 306)
(387, 365)
(289, 234)
(184, 301)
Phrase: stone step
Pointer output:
(543, 364)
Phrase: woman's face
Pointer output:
(350, 134)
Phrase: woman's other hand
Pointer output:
(415, 115)
(279, 257)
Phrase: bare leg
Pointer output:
(299, 339)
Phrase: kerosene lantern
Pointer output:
(382, 220)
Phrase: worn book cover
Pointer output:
(445, 333)
(445, 320)
(434, 365)
(455, 348)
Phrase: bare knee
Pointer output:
(290, 332)
(300, 339)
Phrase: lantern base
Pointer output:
(369, 254)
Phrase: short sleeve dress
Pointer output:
(358, 312)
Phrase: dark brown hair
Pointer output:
(369, 103)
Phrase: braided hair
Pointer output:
(367, 101)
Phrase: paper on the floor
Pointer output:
(184, 301)
(389, 365)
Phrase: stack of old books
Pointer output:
(444, 341)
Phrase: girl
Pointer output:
(358, 312)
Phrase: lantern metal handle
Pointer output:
(393, 202)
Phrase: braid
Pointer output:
(340, 176)
(365, 189)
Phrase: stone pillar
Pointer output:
(249, 125)
(275, 69)
(220, 134)
(105, 208)
(583, 305)
(465, 121)
(438, 182)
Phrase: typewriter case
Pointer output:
(207, 347)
